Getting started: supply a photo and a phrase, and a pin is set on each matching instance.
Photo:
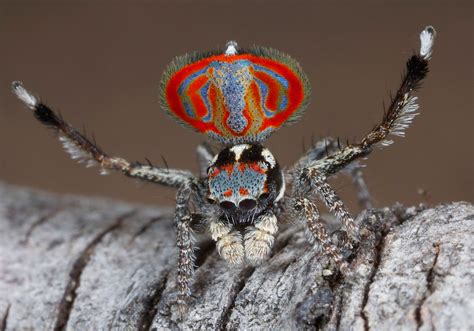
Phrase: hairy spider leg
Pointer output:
(86, 151)
(184, 241)
(313, 177)
(309, 176)
(401, 112)
(304, 209)
(328, 146)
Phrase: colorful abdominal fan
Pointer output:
(235, 97)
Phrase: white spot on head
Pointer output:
(269, 157)
(427, 37)
(29, 99)
(231, 48)
(238, 149)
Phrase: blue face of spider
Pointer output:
(245, 179)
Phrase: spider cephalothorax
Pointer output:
(238, 98)
(245, 180)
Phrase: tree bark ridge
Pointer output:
(73, 263)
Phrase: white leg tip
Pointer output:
(29, 99)
(427, 37)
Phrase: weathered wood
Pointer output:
(91, 264)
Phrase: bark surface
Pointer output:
(74, 263)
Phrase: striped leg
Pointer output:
(184, 240)
(331, 200)
(303, 208)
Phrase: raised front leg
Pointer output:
(397, 118)
(86, 151)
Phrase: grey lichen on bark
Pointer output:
(90, 264)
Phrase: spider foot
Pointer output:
(178, 304)
(182, 307)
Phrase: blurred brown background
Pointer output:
(99, 63)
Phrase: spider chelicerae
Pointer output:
(238, 98)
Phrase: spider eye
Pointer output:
(247, 204)
(211, 200)
(264, 196)
(228, 205)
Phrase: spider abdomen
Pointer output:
(245, 178)
(236, 96)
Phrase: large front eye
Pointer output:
(227, 205)
(247, 204)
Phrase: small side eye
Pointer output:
(227, 205)
(211, 200)
(247, 204)
(263, 196)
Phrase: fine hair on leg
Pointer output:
(185, 243)
(397, 118)
(329, 146)
(88, 152)
(304, 209)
